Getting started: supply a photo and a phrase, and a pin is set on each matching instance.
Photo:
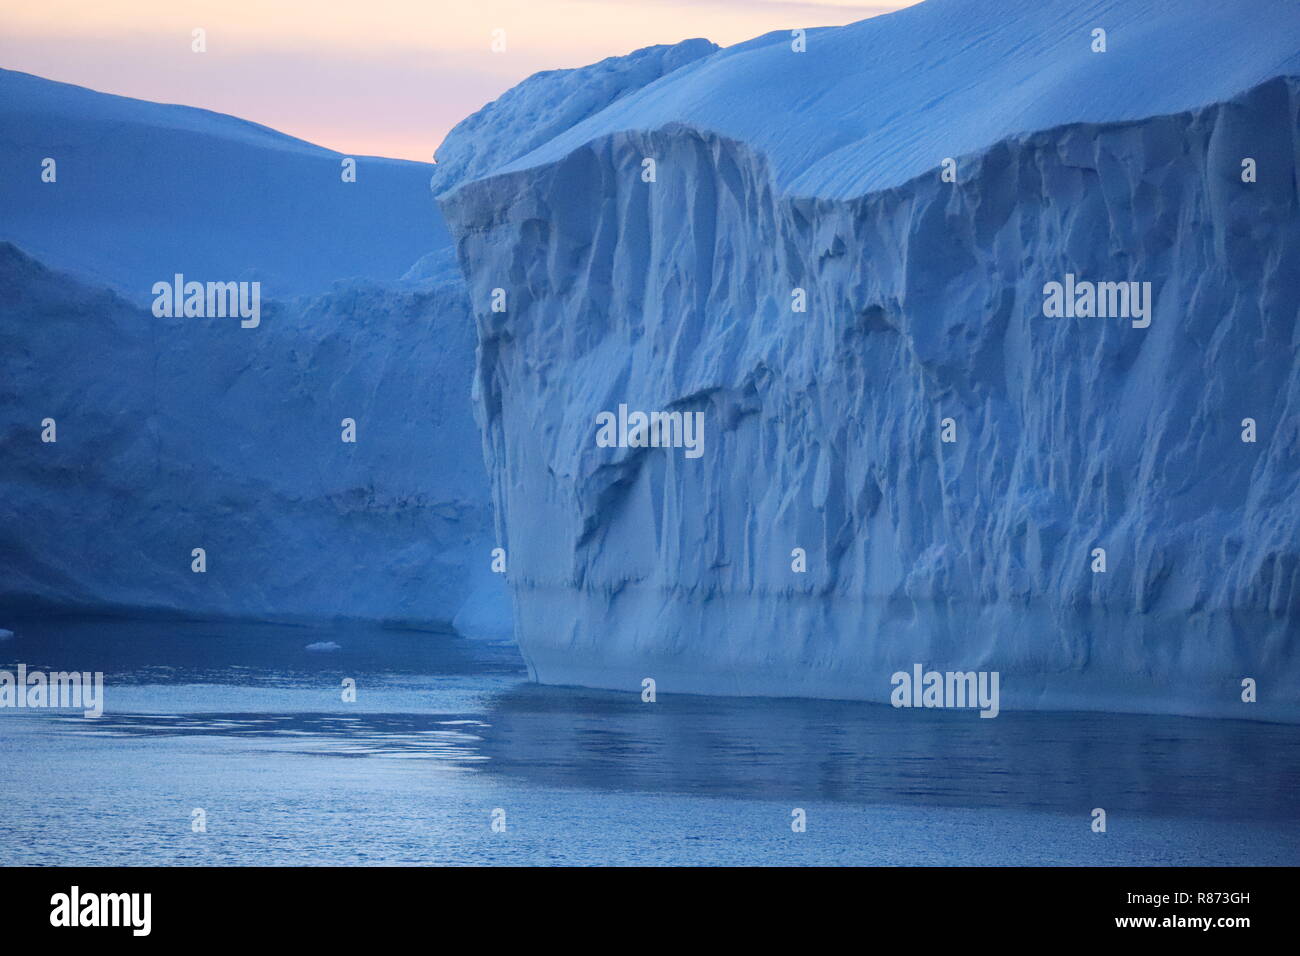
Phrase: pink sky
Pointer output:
(379, 77)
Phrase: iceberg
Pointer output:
(836, 245)
(325, 463)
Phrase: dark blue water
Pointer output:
(243, 722)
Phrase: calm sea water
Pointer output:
(243, 722)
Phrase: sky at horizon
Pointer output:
(384, 77)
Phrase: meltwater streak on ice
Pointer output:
(925, 303)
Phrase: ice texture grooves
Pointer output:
(925, 302)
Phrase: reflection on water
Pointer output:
(462, 706)
(785, 749)
(452, 742)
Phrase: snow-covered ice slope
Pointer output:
(873, 104)
(183, 433)
(145, 190)
(777, 170)
(547, 104)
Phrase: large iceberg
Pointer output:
(973, 479)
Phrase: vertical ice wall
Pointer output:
(179, 433)
(825, 429)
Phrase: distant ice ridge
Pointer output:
(146, 190)
(820, 171)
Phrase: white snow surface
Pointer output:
(873, 104)
(546, 105)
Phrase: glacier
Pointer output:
(144, 190)
(175, 434)
(183, 433)
(778, 173)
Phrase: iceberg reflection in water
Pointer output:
(242, 721)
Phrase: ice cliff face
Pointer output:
(779, 173)
(183, 433)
